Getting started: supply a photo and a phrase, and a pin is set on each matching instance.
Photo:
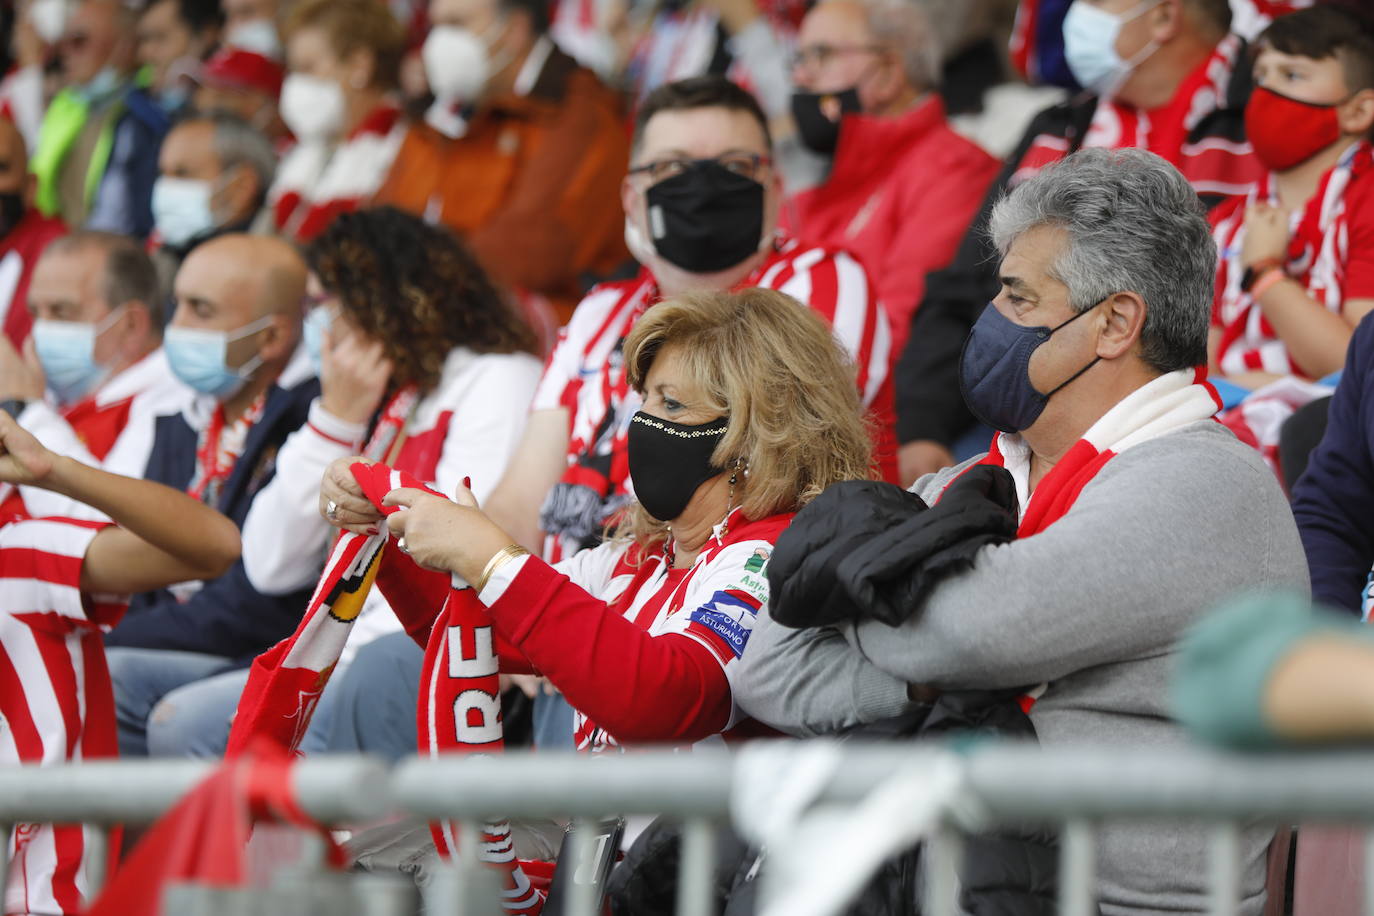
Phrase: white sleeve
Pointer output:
(488, 421)
(284, 537)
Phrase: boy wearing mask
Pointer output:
(1296, 271)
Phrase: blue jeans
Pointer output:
(144, 677)
(374, 700)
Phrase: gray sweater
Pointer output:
(1091, 606)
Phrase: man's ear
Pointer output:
(1166, 20)
(279, 339)
(888, 81)
(239, 193)
(1123, 321)
(629, 197)
(1356, 116)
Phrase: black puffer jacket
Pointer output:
(865, 550)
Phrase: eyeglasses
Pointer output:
(749, 165)
(814, 56)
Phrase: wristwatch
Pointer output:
(1256, 270)
(13, 406)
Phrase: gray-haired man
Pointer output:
(1138, 512)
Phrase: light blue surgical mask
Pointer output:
(100, 87)
(66, 349)
(197, 357)
(181, 209)
(317, 321)
(1090, 46)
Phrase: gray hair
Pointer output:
(908, 28)
(1134, 224)
(129, 272)
(236, 142)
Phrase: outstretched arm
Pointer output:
(162, 537)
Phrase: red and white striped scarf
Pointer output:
(1318, 250)
(1168, 403)
(1163, 405)
(1212, 165)
(285, 682)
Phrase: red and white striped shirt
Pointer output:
(671, 688)
(55, 696)
(1213, 165)
(1330, 252)
(585, 374)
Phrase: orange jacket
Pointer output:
(533, 185)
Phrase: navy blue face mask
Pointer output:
(994, 370)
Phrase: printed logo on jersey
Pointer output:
(756, 563)
(726, 621)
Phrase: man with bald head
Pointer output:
(24, 232)
(236, 339)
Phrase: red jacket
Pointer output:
(901, 194)
(19, 252)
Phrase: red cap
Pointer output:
(237, 68)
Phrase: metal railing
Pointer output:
(1077, 789)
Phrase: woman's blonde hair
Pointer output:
(774, 368)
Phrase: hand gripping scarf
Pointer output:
(286, 681)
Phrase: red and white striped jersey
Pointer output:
(714, 603)
(55, 696)
(585, 373)
(1213, 165)
(1330, 252)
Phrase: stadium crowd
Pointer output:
(877, 368)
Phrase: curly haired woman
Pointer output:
(423, 365)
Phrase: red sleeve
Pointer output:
(417, 596)
(639, 688)
(1359, 266)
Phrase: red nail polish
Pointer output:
(467, 483)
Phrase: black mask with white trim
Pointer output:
(669, 461)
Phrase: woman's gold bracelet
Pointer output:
(501, 558)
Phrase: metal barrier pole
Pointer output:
(695, 880)
(7, 831)
(1369, 873)
(1076, 867)
(944, 855)
(98, 855)
(1224, 868)
(581, 900)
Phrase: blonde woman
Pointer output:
(749, 412)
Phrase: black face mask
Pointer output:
(818, 132)
(668, 461)
(705, 219)
(11, 212)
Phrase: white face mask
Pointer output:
(256, 35)
(49, 18)
(181, 209)
(313, 107)
(1090, 46)
(457, 64)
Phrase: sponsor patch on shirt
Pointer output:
(729, 617)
